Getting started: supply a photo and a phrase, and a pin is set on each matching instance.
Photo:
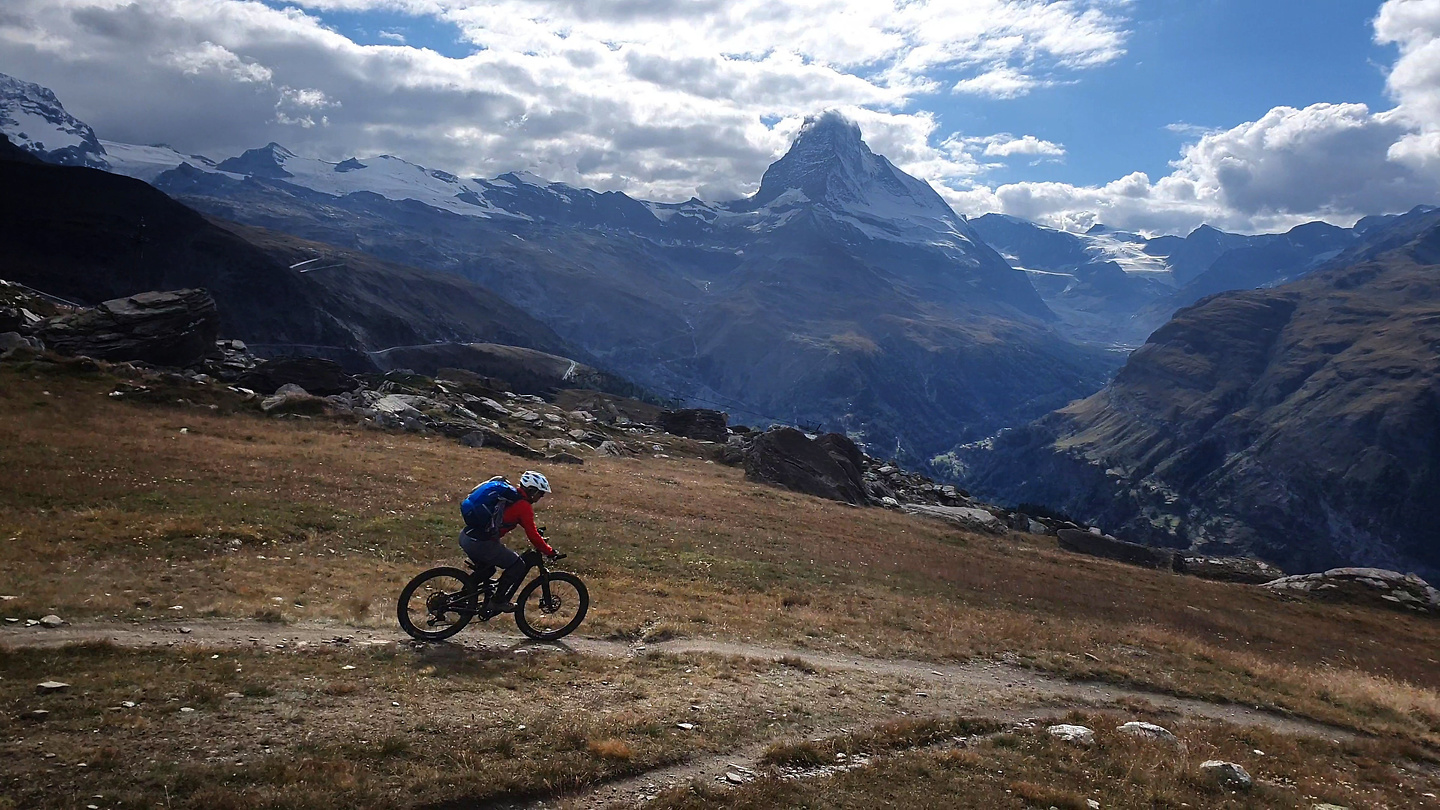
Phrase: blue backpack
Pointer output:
(484, 507)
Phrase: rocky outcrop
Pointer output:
(966, 517)
(175, 328)
(1365, 586)
(316, 375)
(1099, 545)
(786, 457)
(696, 423)
(1299, 425)
(1228, 569)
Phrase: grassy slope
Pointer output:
(112, 511)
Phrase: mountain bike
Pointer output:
(438, 603)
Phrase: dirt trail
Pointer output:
(1015, 692)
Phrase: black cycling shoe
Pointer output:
(491, 611)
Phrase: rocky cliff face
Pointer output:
(1300, 424)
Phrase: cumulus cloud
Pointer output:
(1331, 161)
(1007, 145)
(659, 99)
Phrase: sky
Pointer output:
(1149, 115)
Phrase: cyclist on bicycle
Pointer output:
(491, 511)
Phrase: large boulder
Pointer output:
(1366, 586)
(316, 375)
(696, 423)
(1097, 545)
(785, 457)
(175, 328)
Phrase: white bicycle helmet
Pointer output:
(534, 480)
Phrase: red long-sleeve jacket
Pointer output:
(522, 514)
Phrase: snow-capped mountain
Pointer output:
(844, 293)
(1113, 287)
(34, 120)
(830, 168)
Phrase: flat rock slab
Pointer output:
(969, 517)
(50, 687)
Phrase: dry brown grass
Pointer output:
(404, 727)
(112, 512)
(1028, 768)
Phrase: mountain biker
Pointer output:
(491, 510)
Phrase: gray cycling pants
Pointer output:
(487, 553)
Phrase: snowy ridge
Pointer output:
(33, 119)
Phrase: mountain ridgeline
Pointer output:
(844, 294)
(1283, 401)
(1300, 424)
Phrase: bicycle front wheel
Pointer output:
(551, 607)
(437, 604)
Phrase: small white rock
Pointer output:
(686, 726)
(1149, 731)
(1227, 773)
(49, 687)
(186, 709)
(1080, 735)
(52, 620)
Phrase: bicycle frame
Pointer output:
(481, 590)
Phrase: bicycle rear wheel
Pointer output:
(437, 604)
(553, 612)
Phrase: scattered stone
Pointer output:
(38, 714)
(1148, 731)
(51, 687)
(186, 710)
(613, 449)
(566, 458)
(1228, 569)
(686, 726)
(186, 631)
(735, 778)
(128, 704)
(1227, 773)
(1078, 735)
(51, 621)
